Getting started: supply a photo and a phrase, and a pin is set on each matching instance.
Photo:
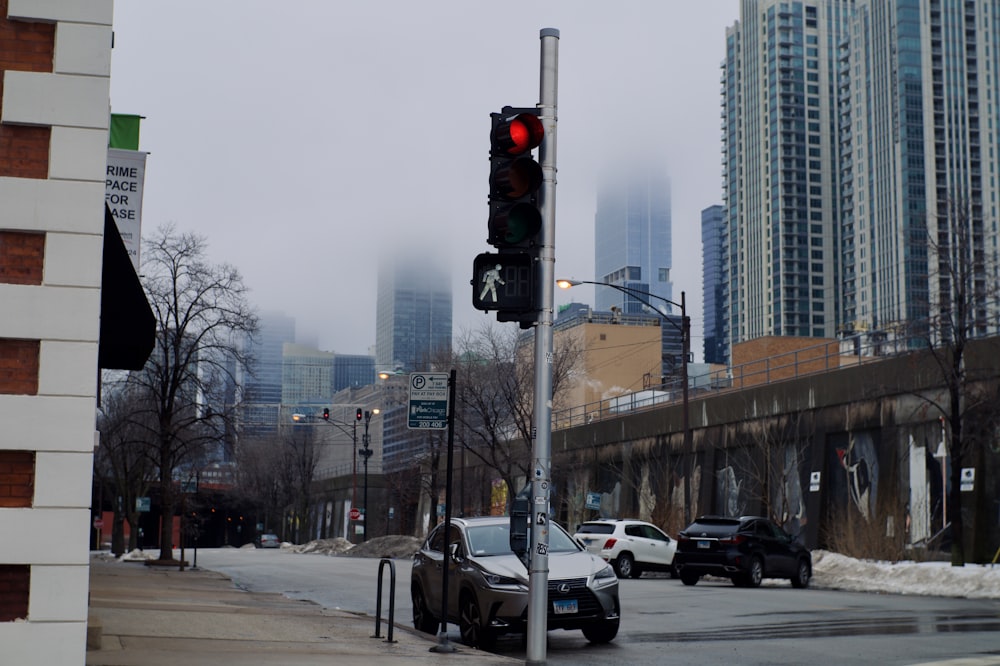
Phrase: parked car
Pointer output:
(270, 541)
(488, 584)
(631, 546)
(746, 550)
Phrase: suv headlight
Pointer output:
(496, 580)
(605, 577)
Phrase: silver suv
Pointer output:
(488, 584)
(631, 546)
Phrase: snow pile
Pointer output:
(834, 571)
(138, 555)
(320, 546)
(387, 546)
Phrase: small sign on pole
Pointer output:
(968, 481)
(593, 501)
(355, 513)
(98, 523)
(428, 407)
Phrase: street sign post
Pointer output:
(428, 407)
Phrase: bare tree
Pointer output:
(300, 454)
(203, 321)
(964, 284)
(265, 479)
(495, 396)
(770, 472)
(120, 459)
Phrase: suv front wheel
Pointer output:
(472, 624)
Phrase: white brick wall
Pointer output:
(39, 98)
(79, 11)
(63, 312)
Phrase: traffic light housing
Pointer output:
(326, 413)
(515, 221)
(359, 415)
(506, 281)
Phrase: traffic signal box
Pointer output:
(506, 281)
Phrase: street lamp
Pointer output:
(685, 330)
(366, 453)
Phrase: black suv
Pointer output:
(746, 550)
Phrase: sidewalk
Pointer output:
(152, 616)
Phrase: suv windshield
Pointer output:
(487, 540)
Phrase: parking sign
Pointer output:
(428, 408)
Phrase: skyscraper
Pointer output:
(264, 384)
(859, 138)
(920, 117)
(781, 166)
(413, 313)
(262, 388)
(632, 238)
(711, 272)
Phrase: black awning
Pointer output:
(128, 327)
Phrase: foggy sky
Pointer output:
(308, 139)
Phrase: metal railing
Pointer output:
(345, 469)
(827, 356)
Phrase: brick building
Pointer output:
(55, 255)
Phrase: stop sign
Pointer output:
(98, 523)
(355, 513)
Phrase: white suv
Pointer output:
(631, 546)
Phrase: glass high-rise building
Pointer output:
(264, 383)
(632, 237)
(711, 281)
(413, 313)
(781, 234)
(920, 124)
(860, 137)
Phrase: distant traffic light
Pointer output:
(515, 178)
(359, 415)
(326, 413)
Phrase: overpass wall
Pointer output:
(854, 444)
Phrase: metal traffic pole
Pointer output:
(538, 572)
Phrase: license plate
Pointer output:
(704, 544)
(564, 606)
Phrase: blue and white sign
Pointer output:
(428, 408)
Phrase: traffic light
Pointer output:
(359, 415)
(507, 281)
(504, 282)
(326, 413)
(515, 178)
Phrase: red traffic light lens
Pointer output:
(519, 135)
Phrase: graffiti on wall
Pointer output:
(853, 466)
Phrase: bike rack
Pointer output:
(392, 598)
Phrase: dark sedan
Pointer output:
(745, 550)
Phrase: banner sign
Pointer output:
(126, 173)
